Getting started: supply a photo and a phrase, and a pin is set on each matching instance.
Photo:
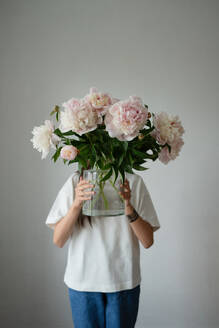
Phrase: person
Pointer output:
(103, 273)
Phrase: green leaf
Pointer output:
(100, 164)
(56, 155)
(139, 167)
(125, 145)
(131, 160)
(58, 132)
(145, 132)
(92, 161)
(122, 174)
(103, 155)
(148, 123)
(71, 133)
(93, 151)
(68, 133)
(83, 147)
(151, 156)
(82, 161)
(128, 168)
(72, 161)
(139, 153)
(107, 176)
(107, 166)
(169, 147)
(115, 168)
(68, 142)
(120, 160)
(84, 150)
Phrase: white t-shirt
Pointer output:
(105, 257)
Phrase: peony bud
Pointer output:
(69, 152)
(140, 136)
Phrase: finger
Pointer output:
(83, 181)
(85, 186)
(125, 196)
(126, 184)
(89, 192)
(84, 198)
(125, 192)
(126, 189)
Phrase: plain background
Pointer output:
(164, 51)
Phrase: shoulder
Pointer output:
(137, 183)
(133, 178)
(74, 174)
(74, 177)
(70, 181)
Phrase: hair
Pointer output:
(82, 216)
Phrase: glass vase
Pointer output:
(106, 201)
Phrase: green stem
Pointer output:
(93, 201)
(113, 185)
(101, 192)
(87, 134)
(102, 184)
(106, 203)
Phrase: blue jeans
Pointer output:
(104, 310)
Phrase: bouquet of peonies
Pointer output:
(117, 136)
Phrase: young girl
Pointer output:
(103, 265)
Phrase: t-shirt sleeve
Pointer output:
(62, 203)
(144, 205)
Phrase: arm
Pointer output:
(142, 229)
(65, 226)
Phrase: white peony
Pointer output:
(44, 138)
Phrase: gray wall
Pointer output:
(165, 51)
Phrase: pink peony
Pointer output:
(100, 101)
(71, 103)
(168, 129)
(69, 152)
(165, 156)
(126, 118)
(79, 117)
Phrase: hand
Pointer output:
(80, 194)
(125, 192)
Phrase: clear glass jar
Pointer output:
(106, 201)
